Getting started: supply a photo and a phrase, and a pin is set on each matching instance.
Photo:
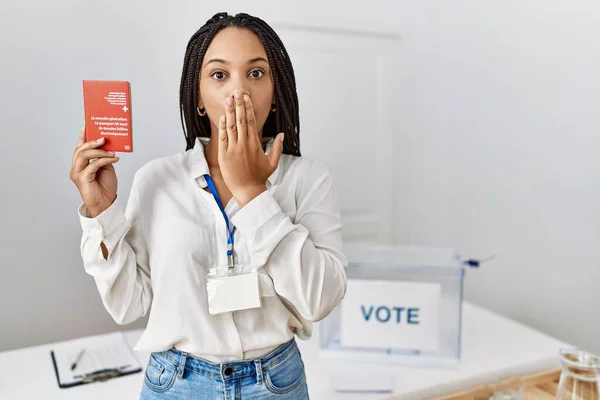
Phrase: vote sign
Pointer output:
(395, 314)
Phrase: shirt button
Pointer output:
(227, 371)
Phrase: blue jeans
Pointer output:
(174, 375)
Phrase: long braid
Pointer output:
(285, 85)
(284, 119)
(188, 94)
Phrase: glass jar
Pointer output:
(580, 376)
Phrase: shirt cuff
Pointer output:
(256, 213)
(107, 227)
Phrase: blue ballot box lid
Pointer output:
(402, 256)
(403, 305)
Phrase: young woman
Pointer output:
(236, 242)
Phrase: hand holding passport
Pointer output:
(107, 130)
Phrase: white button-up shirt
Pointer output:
(172, 230)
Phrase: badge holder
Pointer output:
(230, 287)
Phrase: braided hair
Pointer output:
(284, 119)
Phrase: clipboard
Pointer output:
(105, 357)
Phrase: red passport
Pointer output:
(107, 107)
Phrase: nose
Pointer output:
(243, 92)
(239, 84)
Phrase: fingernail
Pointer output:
(237, 95)
(222, 119)
(229, 101)
(282, 137)
(112, 153)
(246, 98)
(100, 140)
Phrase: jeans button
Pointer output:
(227, 371)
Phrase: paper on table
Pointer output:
(101, 352)
(364, 383)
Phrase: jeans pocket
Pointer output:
(286, 376)
(160, 374)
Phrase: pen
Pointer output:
(77, 359)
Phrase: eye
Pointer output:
(218, 75)
(256, 73)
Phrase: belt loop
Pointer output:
(181, 366)
(259, 371)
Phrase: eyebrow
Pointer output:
(220, 60)
(256, 59)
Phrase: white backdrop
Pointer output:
(487, 109)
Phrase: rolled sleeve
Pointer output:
(107, 228)
(256, 213)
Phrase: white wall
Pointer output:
(496, 134)
(502, 155)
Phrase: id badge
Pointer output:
(232, 291)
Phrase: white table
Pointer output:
(493, 347)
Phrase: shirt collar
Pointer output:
(198, 166)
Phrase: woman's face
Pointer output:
(235, 60)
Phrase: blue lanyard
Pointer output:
(230, 233)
